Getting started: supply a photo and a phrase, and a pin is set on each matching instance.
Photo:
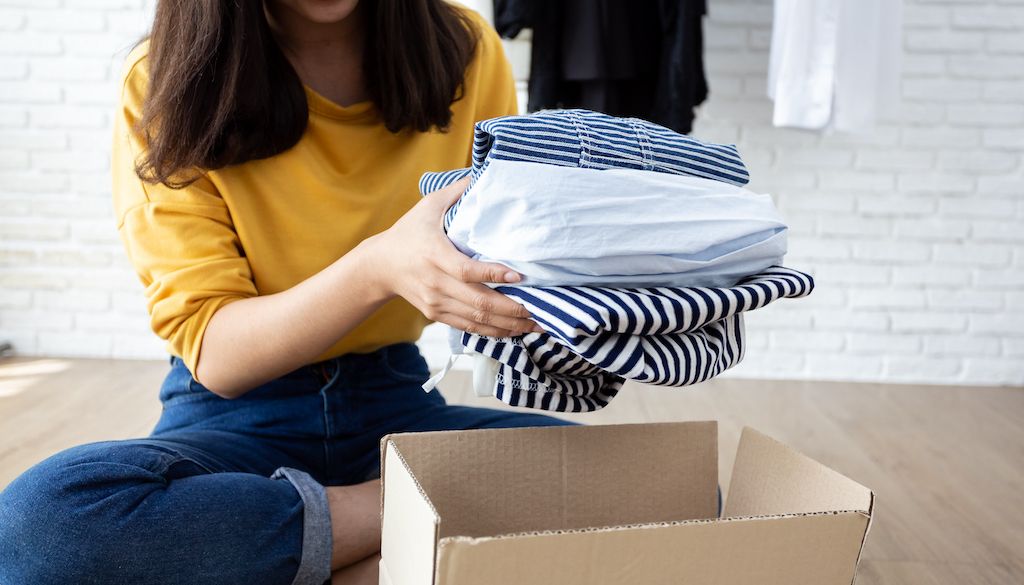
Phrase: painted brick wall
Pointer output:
(915, 231)
(65, 284)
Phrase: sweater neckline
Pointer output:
(331, 109)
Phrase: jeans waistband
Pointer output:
(352, 362)
(385, 361)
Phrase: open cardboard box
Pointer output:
(623, 504)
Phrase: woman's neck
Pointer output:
(326, 55)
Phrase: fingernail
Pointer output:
(538, 329)
(511, 276)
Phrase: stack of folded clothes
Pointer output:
(640, 251)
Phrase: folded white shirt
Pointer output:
(561, 226)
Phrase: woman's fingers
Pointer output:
(461, 267)
(483, 300)
(463, 324)
(516, 326)
(465, 269)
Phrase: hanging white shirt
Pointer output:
(835, 63)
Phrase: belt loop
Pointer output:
(645, 145)
(582, 137)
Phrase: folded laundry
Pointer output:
(600, 214)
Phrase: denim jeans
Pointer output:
(223, 491)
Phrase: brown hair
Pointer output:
(221, 92)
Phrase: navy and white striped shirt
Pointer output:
(597, 337)
(591, 140)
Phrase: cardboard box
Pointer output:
(619, 504)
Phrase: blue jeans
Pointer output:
(223, 491)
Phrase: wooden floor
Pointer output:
(946, 463)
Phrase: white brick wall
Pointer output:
(915, 231)
(65, 285)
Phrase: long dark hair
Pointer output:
(221, 92)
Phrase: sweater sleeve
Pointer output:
(181, 242)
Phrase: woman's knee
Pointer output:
(64, 511)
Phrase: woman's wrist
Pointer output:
(372, 268)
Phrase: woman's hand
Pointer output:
(414, 259)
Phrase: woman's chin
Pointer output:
(322, 11)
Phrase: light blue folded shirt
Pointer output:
(560, 225)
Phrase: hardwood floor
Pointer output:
(946, 463)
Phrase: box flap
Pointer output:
(770, 478)
(409, 524)
(820, 549)
(500, 481)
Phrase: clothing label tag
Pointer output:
(485, 372)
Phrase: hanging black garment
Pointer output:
(682, 85)
(641, 58)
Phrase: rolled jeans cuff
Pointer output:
(315, 562)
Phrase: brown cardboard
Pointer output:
(743, 551)
(771, 478)
(612, 504)
(564, 477)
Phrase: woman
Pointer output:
(265, 162)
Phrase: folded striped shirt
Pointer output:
(597, 337)
(591, 140)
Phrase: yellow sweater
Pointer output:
(263, 226)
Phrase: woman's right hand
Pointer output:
(415, 260)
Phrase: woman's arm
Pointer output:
(254, 340)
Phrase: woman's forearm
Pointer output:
(252, 341)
